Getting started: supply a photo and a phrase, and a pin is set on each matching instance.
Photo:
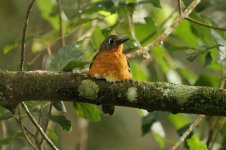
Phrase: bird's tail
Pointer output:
(108, 109)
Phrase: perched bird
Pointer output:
(110, 64)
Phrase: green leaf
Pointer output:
(75, 64)
(97, 6)
(183, 129)
(201, 32)
(194, 55)
(6, 116)
(195, 144)
(6, 140)
(49, 12)
(143, 31)
(52, 134)
(178, 120)
(87, 111)
(147, 122)
(59, 105)
(208, 59)
(62, 121)
(159, 139)
(155, 3)
(208, 79)
(108, 30)
(190, 40)
(203, 5)
(10, 139)
(64, 56)
(139, 71)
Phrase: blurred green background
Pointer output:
(193, 54)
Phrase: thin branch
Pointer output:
(24, 35)
(4, 133)
(216, 124)
(47, 123)
(51, 144)
(23, 130)
(180, 6)
(187, 132)
(22, 69)
(205, 25)
(168, 30)
(132, 32)
(22, 66)
(61, 29)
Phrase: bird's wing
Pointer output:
(128, 64)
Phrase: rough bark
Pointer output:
(152, 96)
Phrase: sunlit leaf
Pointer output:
(49, 12)
(208, 79)
(195, 144)
(143, 30)
(190, 40)
(201, 32)
(159, 139)
(138, 71)
(178, 120)
(87, 111)
(62, 121)
(52, 134)
(155, 3)
(95, 7)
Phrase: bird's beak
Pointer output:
(122, 40)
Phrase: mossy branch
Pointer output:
(152, 96)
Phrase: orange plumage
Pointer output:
(110, 64)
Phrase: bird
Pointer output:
(110, 64)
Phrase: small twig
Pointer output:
(180, 6)
(216, 125)
(180, 3)
(205, 25)
(132, 32)
(47, 123)
(4, 133)
(24, 35)
(23, 130)
(82, 134)
(22, 68)
(188, 131)
(61, 33)
(168, 30)
(39, 128)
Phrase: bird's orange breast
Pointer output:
(110, 65)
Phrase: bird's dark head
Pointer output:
(113, 42)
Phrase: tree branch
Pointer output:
(154, 96)
(163, 36)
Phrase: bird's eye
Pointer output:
(111, 41)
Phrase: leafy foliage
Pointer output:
(193, 54)
(88, 111)
(62, 121)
